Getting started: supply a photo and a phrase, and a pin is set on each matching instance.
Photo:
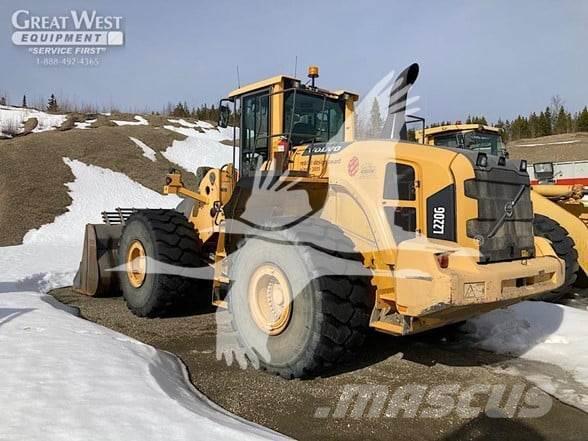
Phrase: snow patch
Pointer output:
(202, 124)
(13, 119)
(543, 332)
(70, 379)
(200, 149)
(34, 265)
(116, 190)
(547, 143)
(140, 121)
(65, 378)
(148, 152)
(182, 122)
(84, 125)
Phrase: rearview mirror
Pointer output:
(223, 116)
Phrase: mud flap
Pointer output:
(99, 255)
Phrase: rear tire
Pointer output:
(165, 236)
(564, 247)
(329, 314)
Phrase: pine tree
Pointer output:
(181, 110)
(520, 128)
(582, 120)
(547, 122)
(507, 131)
(2, 101)
(477, 120)
(570, 123)
(375, 126)
(24, 101)
(214, 113)
(52, 104)
(534, 125)
(561, 122)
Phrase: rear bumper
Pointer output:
(505, 281)
(467, 289)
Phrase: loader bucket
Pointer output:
(99, 255)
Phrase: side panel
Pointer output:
(441, 214)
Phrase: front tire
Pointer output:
(564, 247)
(312, 319)
(152, 236)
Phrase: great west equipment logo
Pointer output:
(71, 38)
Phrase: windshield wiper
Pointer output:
(508, 212)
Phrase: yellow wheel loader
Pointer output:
(311, 237)
(560, 215)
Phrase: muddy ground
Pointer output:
(290, 407)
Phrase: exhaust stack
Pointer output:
(395, 124)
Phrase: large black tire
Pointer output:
(330, 313)
(564, 247)
(169, 238)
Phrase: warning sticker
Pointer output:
(474, 291)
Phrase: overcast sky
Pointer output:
(497, 58)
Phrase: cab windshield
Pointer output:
(489, 143)
(312, 118)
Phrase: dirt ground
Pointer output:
(550, 148)
(33, 174)
(290, 407)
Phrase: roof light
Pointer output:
(313, 73)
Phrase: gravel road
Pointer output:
(305, 409)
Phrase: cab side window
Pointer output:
(399, 182)
(254, 131)
(400, 192)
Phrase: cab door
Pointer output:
(401, 200)
(254, 135)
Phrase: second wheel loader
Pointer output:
(560, 216)
(311, 237)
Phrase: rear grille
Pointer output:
(117, 217)
(504, 231)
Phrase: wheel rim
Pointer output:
(136, 264)
(270, 300)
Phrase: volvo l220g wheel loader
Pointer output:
(560, 216)
(311, 237)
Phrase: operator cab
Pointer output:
(280, 114)
(478, 137)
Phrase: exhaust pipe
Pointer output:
(395, 125)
